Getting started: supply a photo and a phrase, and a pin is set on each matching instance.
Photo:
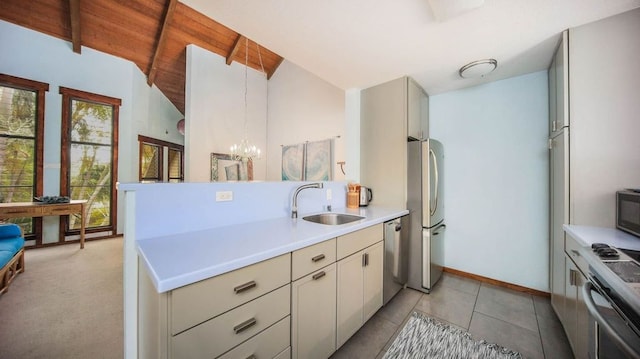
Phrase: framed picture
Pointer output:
(225, 168)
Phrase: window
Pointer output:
(21, 146)
(90, 158)
(152, 160)
(176, 168)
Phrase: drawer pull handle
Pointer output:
(318, 275)
(244, 287)
(317, 258)
(252, 356)
(575, 253)
(244, 325)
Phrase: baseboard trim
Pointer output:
(498, 283)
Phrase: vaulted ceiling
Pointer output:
(153, 34)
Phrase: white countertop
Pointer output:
(587, 235)
(180, 259)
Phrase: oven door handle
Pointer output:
(591, 305)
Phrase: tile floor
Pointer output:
(516, 320)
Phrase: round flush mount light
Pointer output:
(478, 68)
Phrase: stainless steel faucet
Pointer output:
(294, 203)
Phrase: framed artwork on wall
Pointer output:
(225, 167)
(309, 161)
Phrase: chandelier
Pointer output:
(245, 150)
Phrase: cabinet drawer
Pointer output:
(309, 259)
(216, 336)
(356, 241)
(27, 211)
(267, 344)
(198, 302)
(572, 248)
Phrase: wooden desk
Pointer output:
(38, 209)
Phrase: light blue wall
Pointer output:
(496, 178)
(144, 110)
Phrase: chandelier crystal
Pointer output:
(245, 150)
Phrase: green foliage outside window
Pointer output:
(17, 148)
(91, 160)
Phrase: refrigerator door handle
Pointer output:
(432, 211)
(436, 230)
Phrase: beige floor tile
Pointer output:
(554, 340)
(511, 336)
(400, 306)
(369, 341)
(462, 284)
(507, 305)
(451, 305)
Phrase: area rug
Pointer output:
(423, 337)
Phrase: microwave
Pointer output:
(628, 211)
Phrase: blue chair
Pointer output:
(11, 254)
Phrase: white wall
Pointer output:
(303, 107)
(215, 111)
(35, 56)
(604, 116)
(496, 178)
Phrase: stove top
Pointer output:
(624, 263)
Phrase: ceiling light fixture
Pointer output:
(245, 151)
(478, 68)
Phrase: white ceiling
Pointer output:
(360, 43)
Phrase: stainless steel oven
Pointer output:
(612, 296)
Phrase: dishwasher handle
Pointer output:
(603, 323)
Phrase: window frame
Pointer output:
(163, 144)
(68, 95)
(40, 88)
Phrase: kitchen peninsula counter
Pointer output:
(177, 260)
(587, 235)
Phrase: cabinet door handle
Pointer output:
(572, 277)
(244, 287)
(318, 275)
(244, 325)
(365, 259)
(317, 258)
(554, 126)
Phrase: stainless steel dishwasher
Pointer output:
(396, 235)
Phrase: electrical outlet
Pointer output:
(328, 194)
(224, 196)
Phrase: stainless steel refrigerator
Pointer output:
(425, 202)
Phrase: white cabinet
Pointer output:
(389, 113)
(299, 304)
(559, 87)
(593, 128)
(576, 314)
(559, 215)
(235, 311)
(313, 313)
(359, 290)
(313, 301)
(417, 111)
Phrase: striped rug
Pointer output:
(423, 337)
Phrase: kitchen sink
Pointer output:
(332, 219)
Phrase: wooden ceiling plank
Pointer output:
(234, 49)
(76, 39)
(274, 68)
(161, 41)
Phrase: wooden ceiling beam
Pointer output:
(162, 40)
(74, 12)
(235, 48)
(274, 68)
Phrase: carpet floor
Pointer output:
(67, 304)
(424, 337)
